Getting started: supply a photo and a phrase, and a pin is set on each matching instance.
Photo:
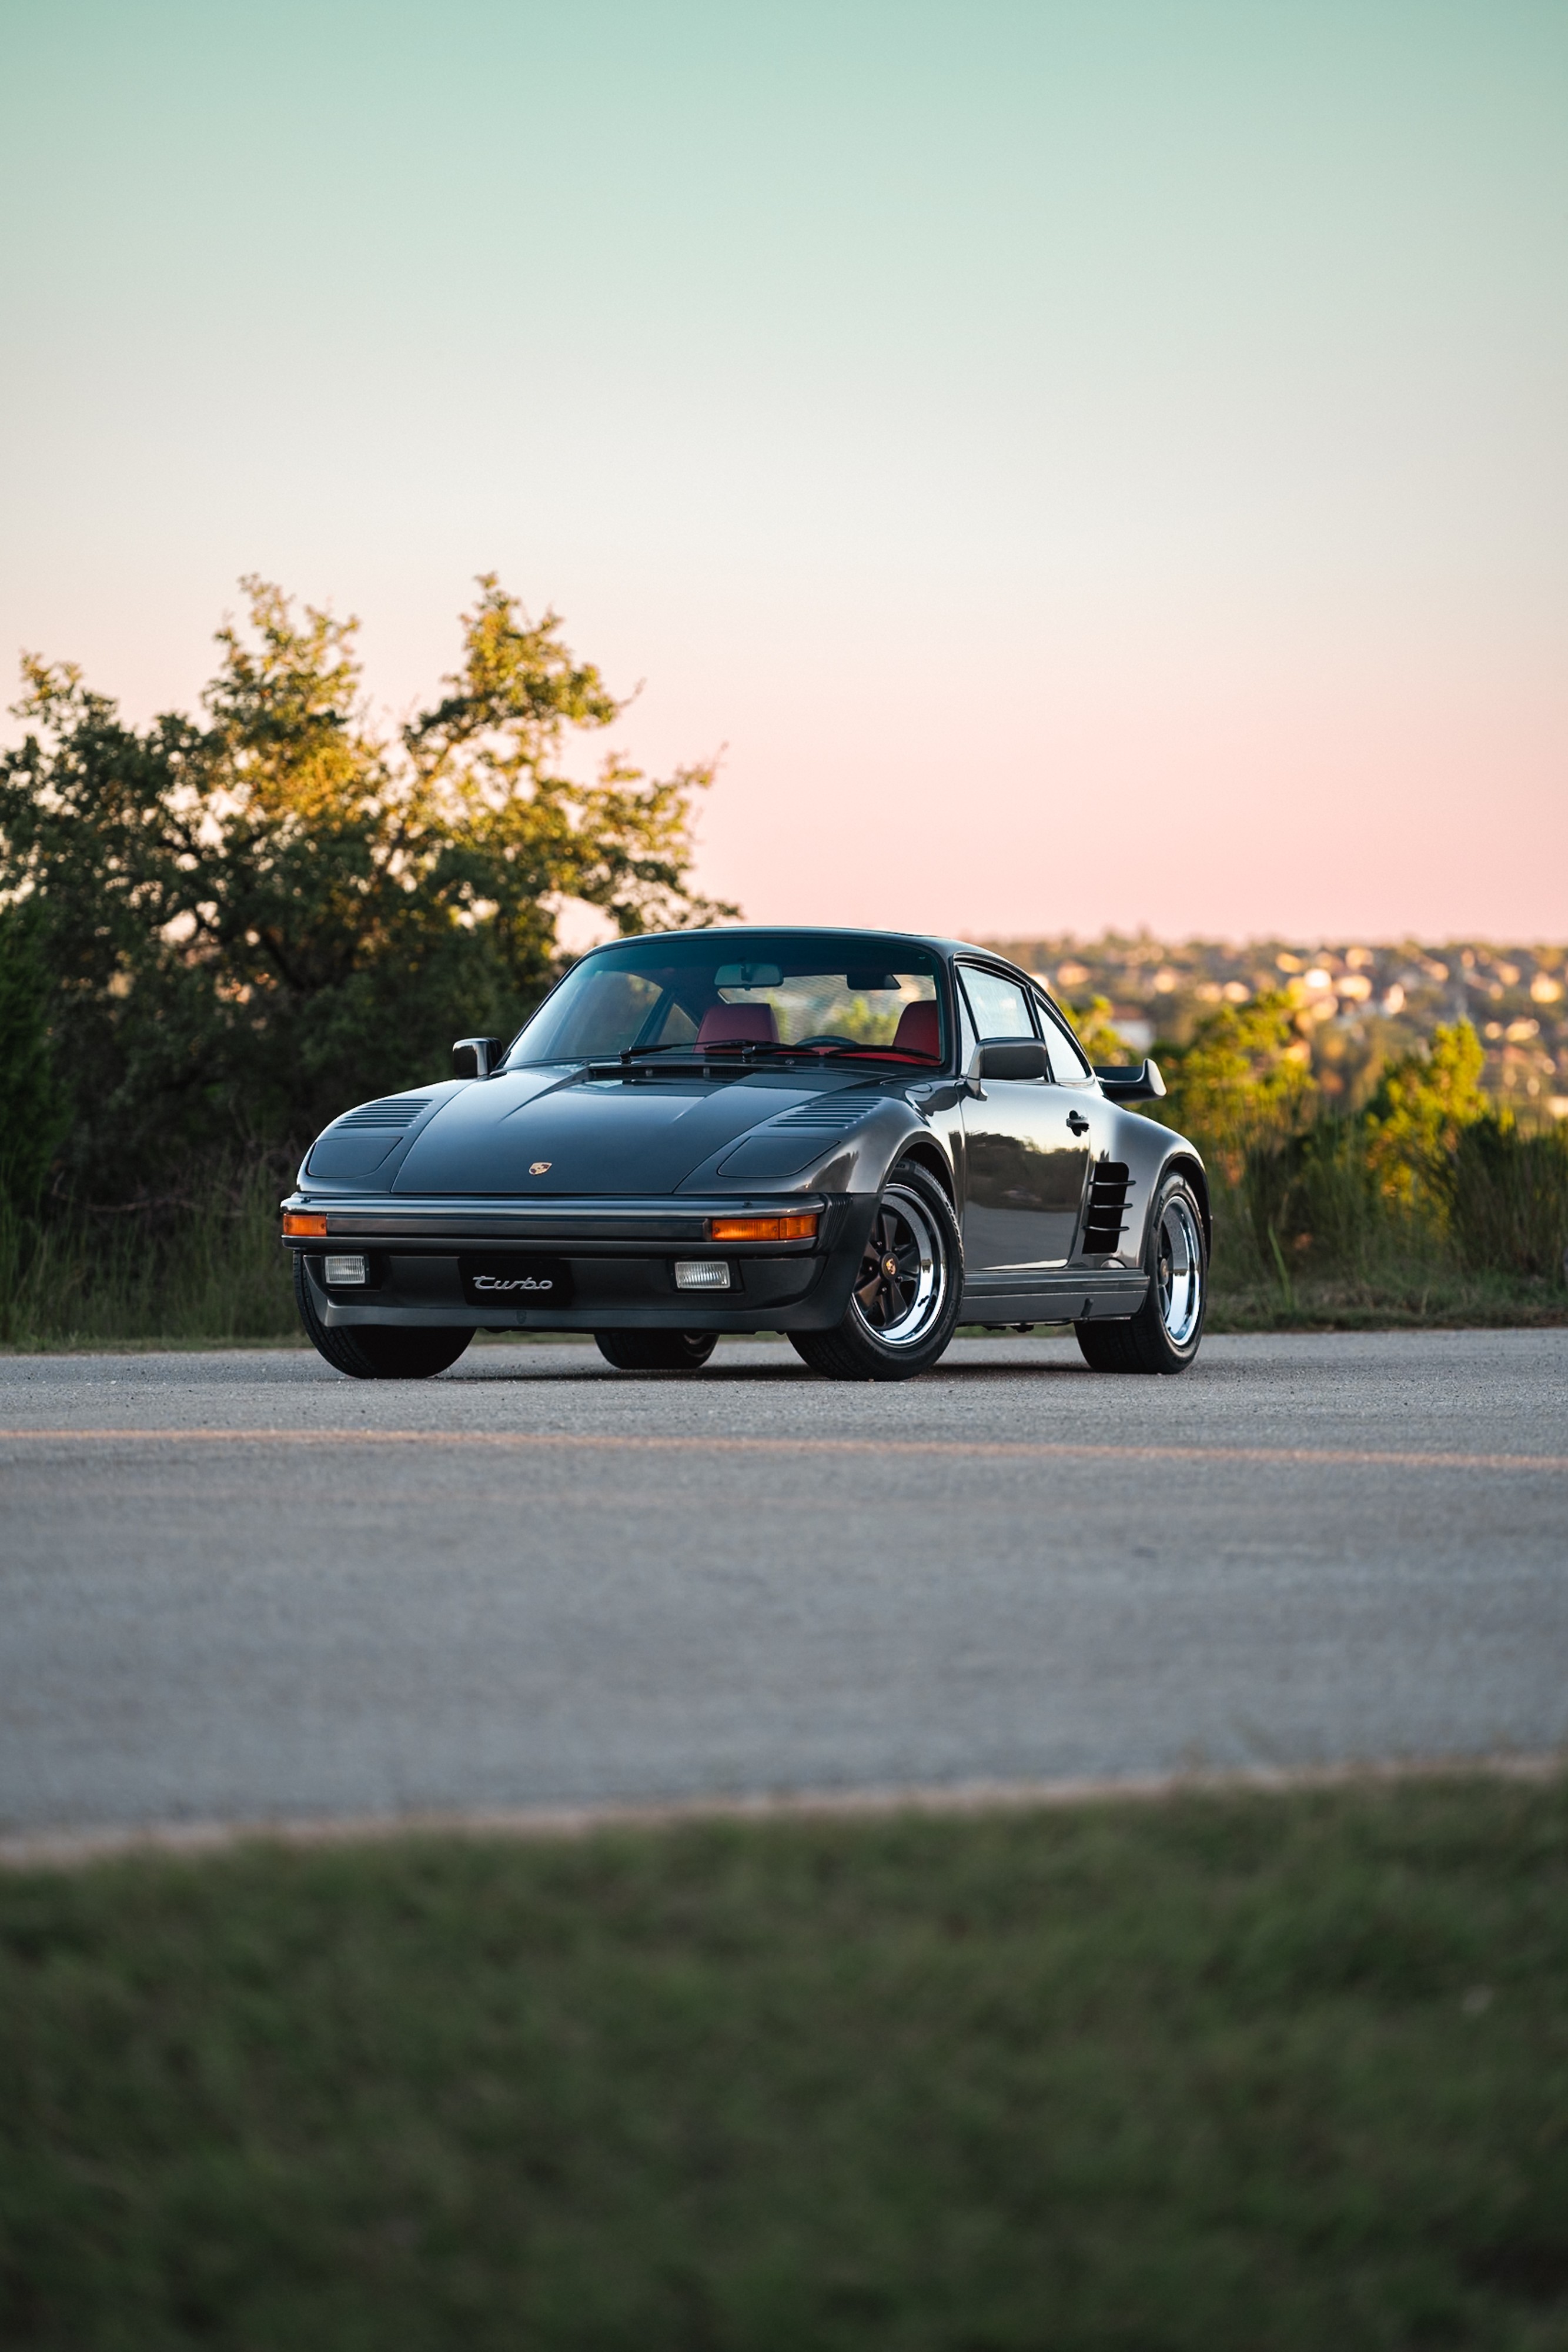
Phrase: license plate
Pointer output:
(516, 1281)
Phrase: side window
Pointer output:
(1067, 1065)
(1000, 1006)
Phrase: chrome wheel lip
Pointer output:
(1178, 1272)
(933, 1277)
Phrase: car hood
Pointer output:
(536, 1132)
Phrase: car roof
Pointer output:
(934, 941)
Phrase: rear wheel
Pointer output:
(656, 1351)
(376, 1351)
(1164, 1335)
(905, 1303)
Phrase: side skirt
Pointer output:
(1082, 1297)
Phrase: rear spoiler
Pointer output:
(1126, 1082)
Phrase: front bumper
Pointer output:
(620, 1254)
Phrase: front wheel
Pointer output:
(656, 1351)
(905, 1303)
(376, 1351)
(1164, 1335)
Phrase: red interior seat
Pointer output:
(738, 1024)
(918, 1031)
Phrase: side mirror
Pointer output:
(1134, 1083)
(475, 1057)
(1012, 1058)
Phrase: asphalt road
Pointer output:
(235, 1587)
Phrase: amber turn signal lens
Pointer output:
(301, 1228)
(763, 1229)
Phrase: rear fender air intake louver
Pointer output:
(391, 1113)
(1108, 1192)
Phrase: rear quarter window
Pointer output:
(1069, 1064)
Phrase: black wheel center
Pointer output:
(884, 1279)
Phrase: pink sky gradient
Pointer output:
(1090, 468)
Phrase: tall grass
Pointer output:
(207, 1267)
(1306, 1230)
(1508, 1200)
(1303, 1232)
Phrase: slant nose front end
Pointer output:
(580, 1265)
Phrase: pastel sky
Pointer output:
(1092, 463)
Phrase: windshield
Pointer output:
(764, 993)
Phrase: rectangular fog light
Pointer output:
(701, 1274)
(342, 1271)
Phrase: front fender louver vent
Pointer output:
(826, 1118)
(1108, 1192)
(392, 1113)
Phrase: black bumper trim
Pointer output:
(447, 1225)
(827, 1268)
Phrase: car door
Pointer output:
(1027, 1149)
(1084, 1109)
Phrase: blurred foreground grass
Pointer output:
(1283, 2071)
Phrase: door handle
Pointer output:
(1077, 1122)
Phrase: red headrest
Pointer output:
(738, 1024)
(918, 1032)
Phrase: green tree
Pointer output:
(1244, 1078)
(1096, 1030)
(34, 1121)
(252, 919)
(1423, 1105)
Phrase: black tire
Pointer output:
(1164, 1334)
(376, 1351)
(903, 1311)
(656, 1351)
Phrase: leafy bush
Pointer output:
(1095, 1031)
(1429, 1179)
(1423, 1108)
(1243, 1081)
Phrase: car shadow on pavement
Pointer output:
(791, 1375)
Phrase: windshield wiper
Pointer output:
(752, 1049)
(699, 1057)
(741, 1047)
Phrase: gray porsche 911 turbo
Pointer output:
(858, 1139)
